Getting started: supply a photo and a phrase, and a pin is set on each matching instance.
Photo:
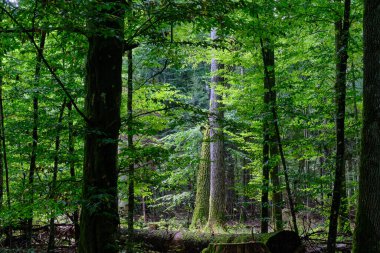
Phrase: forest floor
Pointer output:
(315, 242)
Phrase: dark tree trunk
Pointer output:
(272, 122)
(99, 214)
(131, 166)
(3, 145)
(341, 38)
(265, 186)
(367, 236)
(276, 189)
(72, 167)
(202, 198)
(217, 173)
(33, 157)
(269, 138)
(51, 243)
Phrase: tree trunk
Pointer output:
(276, 191)
(341, 38)
(1, 136)
(131, 166)
(51, 243)
(265, 186)
(200, 214)
(33, 157)
(270, 102)
(367, 236)
(72, 167)
(3, 145)
(99, 214)
(217, 173)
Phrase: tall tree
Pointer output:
(131, 165)
(367, 235)
(71, 151)
(200, 214)
(341, 41)
(99, 215)
(33, 156)
(270, 150)
(217, 173)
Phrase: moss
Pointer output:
(200, 214)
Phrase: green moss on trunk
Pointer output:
(201, 210)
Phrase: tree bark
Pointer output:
(99, 214)
(217, 172)
(341, 38)
(72, 166)
(131, 166)
(367, 234)
(270, 102)
(276, 191)
(200, 214)
(1, 153)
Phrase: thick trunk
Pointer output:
(217, 173)
(367, 236)
(341, 38)
(99, 214)
(200, 214)
(33, 157)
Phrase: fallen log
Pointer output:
(249, 247)
(194, 242)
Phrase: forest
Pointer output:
(190, 126)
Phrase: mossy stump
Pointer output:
(248, 247)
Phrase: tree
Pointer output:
(33, 156)
(202, 199)
(342, 34)
(367, 236)
(99, 215)
(217, 174)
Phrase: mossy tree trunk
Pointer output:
(200, 214)
(99, 215)
(367, 235)
(217, 172)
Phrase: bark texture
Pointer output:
(217, 171)
(367, 234)
(200, 214)
(99, 216)
(341, 38)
